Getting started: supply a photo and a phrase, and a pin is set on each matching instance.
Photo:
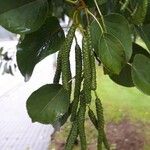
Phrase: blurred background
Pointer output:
(17, 132)
(127, 111)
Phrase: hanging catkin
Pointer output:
(78, 80)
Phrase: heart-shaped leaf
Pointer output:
(25, 19)
(141, 73)
(116, 25)
(48, 104)
(111, 53)
(37, 45)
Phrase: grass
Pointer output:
(119, 102)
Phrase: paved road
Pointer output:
(17, 132)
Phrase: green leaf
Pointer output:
(111, 53)
(48, 104)
(140, 11)
(141, 73)
(124, 78)
(95, 35)
(117, 25)
(26, 18)
(144, 32)
(8, 5)
(37, 45)
(137, 49)
(147, 18)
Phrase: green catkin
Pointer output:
(81, 121)
(95, 123)
(93, 66)
(58, 69)
(78, 80)
(89, 41)
(72, 136)
(87, 69)
(92, 118)
(66, 70)
(105, 141)
(100, 120)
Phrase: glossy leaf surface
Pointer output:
(48, 104)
